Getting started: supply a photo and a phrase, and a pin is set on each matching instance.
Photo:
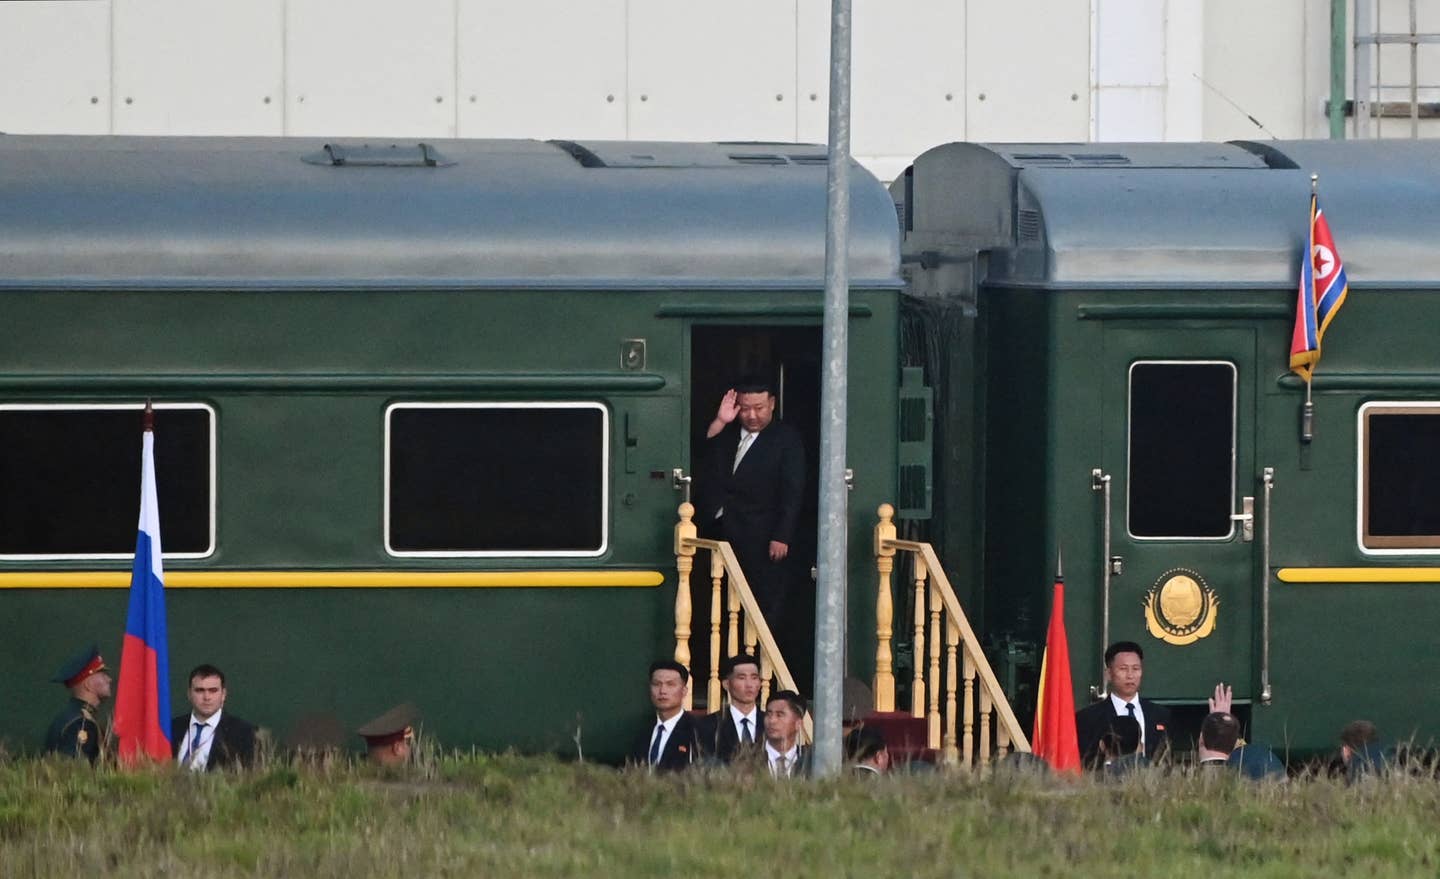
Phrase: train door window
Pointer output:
(1399, 476)
(496, 479)
(70, 480)
(1181, 455)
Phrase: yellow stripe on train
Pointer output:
(335, 579)
(1358, 575)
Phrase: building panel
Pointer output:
(712, 71)
(55, 64)
(907, 84)
(199, 67)
(521, 75)
(1026, 82)
(364, 67)
(1255, 66)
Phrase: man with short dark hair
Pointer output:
(752, 488)
(671, 744)
(210, 737)
(74, 732)
(739, 725)
(785, 757)
(1124, 667)
(1219, 733)
(866, 750)
(1360, 750)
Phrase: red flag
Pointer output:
(1055, 740)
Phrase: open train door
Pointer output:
(1183, 491)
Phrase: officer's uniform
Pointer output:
(74, 732)
(394, 726)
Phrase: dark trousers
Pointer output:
(767, 579)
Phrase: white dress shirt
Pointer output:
(668, 727)
(754, 717)
(197, 759)
(772, 759)
(1123, 711)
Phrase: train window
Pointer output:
(482, 479)
(71, 477)
(1181, 449)
(1400, 476)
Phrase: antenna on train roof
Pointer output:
(1226, 98)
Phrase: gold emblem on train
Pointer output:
(1180, 608)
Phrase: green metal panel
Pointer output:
(917, 445)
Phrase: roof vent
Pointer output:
(421, 155)
(1027, 225)
(758, 159)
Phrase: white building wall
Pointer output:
(925, 71)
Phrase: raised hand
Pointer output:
(727, 412)
(1221, 700)
(728, 408)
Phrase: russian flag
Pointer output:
(142, 705)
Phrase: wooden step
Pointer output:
(904, 734)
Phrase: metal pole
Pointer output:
(1364, 45)
(831, 586)
(1337, 69)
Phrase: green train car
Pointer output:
(1107, 329)
(419, 409)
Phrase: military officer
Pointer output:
(388, 738)
(74, 732)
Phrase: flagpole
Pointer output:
(1307, 411)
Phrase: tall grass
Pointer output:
(478, 815)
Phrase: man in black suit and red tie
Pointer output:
(210, 737)
(752, 489)
(1124, 667)
(670, 744)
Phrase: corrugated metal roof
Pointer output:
(1170, 215)
(221, 212)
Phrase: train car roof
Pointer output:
(1206, 215)
(168, 212)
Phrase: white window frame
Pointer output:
(1234, 444)
(507, 553)
(1362, 455)
(133, 407)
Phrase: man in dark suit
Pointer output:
(1124, 667)
(752, 488)
(672, 743)
(739, 726)
(1219, 735)
(210, 737)
(785, 757)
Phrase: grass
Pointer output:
(475, 815)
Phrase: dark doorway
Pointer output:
(789, 356)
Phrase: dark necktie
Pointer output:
(745, 736)
(1130, 707)
(195, 744)
(655, 745)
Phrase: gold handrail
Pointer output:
(958, 636)
(724, 566)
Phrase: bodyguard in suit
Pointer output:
(671, 744)
(752, 488)
(785, 757)
(210, 737)
(1124, 667)
(739, 726)
(74, 732)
